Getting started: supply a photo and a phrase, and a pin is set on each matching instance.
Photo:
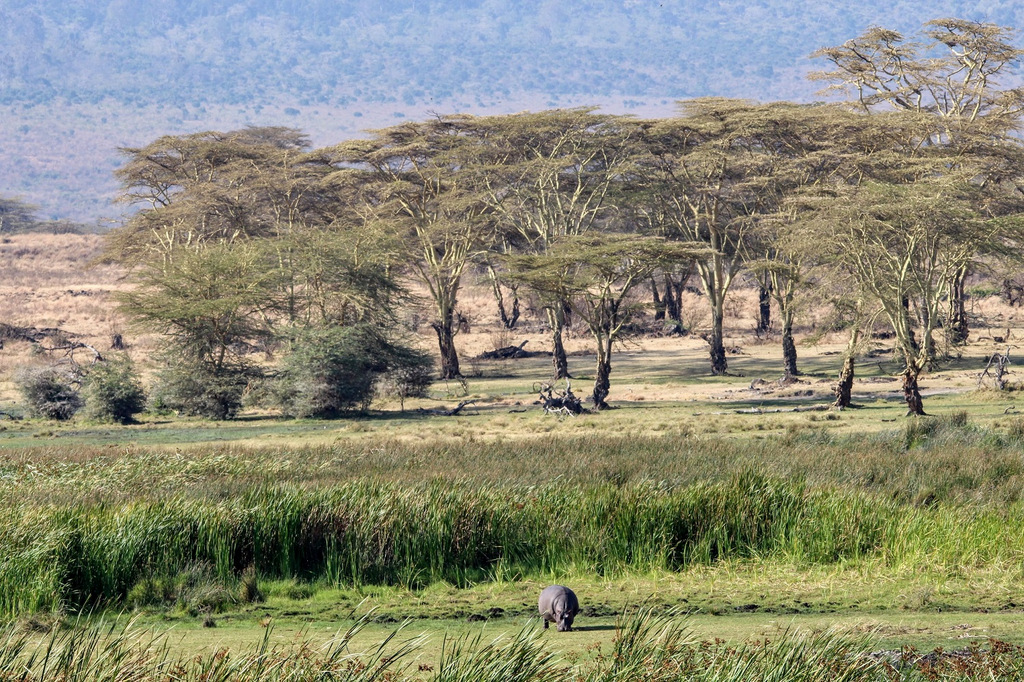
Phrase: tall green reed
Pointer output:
(373, 532)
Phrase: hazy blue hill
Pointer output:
(79, 77)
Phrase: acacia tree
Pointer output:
(596, 275)
(810, 148)
(208, 303)
(952, 76)
(903, 243)
(16, 216)
(667, 297)
(193, 189)
(242, 240)
(258, 185)
(549, 176)
(711, 177)
(418, 184)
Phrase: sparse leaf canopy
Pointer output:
(953, 72)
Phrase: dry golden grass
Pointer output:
(48, 281)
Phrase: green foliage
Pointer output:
(113, 391)
(206, 301)
(249, 587)
(195, 590)
(50, 392)
(409, 375)
(335, 370)
(193, 389)
(16, 216)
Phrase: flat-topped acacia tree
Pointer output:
(952, 74)
(596, 275)
(242, 240)
(419, 184)
(903, 243)
(713, 175)
(551, 175)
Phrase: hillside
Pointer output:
(78, 79)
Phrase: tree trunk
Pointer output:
(658, 302)
(446, 343)
(911, 392)
(784, 297)
(957, 329)
(514, 315)
(559, 360)
(764, 308)
(789, 353)
(719, 365)
(674, 301)
(844, 388)
(909, 316)
(602, 374)
(508, 319)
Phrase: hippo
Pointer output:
(558, 605)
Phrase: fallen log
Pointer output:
(12, 332)
(459, 408)
(508, 353)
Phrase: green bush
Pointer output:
(409, 376)
(51, 393)
(334, 370)
(193, 389)
(113, 392)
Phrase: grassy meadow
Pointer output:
(713, 527)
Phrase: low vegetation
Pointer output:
(114, 529)
(647, 646)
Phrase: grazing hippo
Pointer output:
(558, 605)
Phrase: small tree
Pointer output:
(334, 370)
(113, 391)
(209, 304)
(50, 392)
(195, 389)
(409, 375)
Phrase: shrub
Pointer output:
(195, 390)
(333, 370)
(409, 375)
(113, 392)
(50, 393)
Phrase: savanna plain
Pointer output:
(712, 527)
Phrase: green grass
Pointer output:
(645, 644)
(60, 550)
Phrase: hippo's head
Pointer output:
(564, 622)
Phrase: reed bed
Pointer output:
(367, 532)
(84, 528)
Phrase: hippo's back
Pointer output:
(557, 599)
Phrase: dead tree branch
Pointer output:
(996, 369)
